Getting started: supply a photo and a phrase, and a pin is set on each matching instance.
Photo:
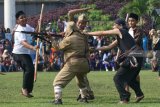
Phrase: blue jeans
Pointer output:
(2, 68)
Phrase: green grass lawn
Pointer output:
(101, 83)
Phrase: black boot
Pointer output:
(83, 100)
(90, 95)
(57, 101)
(79, 97)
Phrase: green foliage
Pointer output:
(158, 23)
(98, 20)
(54, 25)
(93, 6)
(103, 86)
(136, 6)
(140, 7)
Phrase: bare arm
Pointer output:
(112, 45)
(26, 45)
(118, 53)
(105, 33)
(71, 13)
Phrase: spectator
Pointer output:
(65, 23)
(108, 61)
(1, 48)
(7, 62)
(8, 35)
(40, 63)
(8, 46)
(12, 66)
(60, 25)
(2, 67)
(156, 47)
(5, 54)
(2, 33)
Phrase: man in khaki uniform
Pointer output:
(75, 48)
(81, 24)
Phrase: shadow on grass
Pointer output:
(150, 100)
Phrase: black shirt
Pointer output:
(126, 42)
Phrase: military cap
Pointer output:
(134, 16)
(82, 17)
(71, 26)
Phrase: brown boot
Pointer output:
(25, 93)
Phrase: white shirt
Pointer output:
(131, 32)
(19, 37)
(8, 36)
(65, 25)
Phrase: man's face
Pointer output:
(81, 24)
(132, 22)
(22, 20)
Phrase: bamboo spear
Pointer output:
(37, 51)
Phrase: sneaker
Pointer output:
(107, 70)
(57, 101)
(138, 99)
(113, 69)
(83, 100)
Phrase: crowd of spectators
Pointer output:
(51, 60)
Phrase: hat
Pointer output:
(71, 26)
(133, 15)
(120, 21)
(82, 17)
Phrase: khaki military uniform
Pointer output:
(75, 48)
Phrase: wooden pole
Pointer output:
(37, 51)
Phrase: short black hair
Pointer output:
(134, 16)
(19, 13)
(120, 21)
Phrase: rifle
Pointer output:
(35, 34)
(41, 33)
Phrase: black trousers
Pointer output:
(127, 76)
(25, 61)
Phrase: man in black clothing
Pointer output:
(129, 65)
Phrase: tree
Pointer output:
(140, 7)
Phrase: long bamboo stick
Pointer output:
(37, 51)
